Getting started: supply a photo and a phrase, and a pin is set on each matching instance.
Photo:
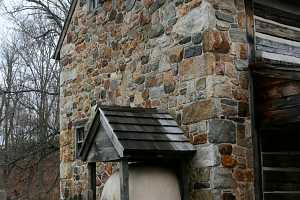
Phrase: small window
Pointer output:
(79, 140)
(93, 4)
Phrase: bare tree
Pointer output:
(29, 88)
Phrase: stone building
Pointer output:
(187, 57)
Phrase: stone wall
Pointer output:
(188, 57)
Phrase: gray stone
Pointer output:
(3, 195)
(229, 102)
(197, 38)
(197, 20)
(241, 65)
(119, 18)
(192, 51)
(168, 12)
(222, 26)
(155, 92)
(224, 17)
(156, 5)
(237, 36)
(201, 84)
(199, 127)
(178, 2)
(129, 4)
(207, 156)
(69, 75)
(185, 40)
(221, 131)
(169, 87)
(156, 30)
(145, 59)
(221, 178)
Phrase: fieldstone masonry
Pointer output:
(188, 57)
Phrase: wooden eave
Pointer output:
(138, 134)
(63, 34)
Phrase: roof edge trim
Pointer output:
(56, 55)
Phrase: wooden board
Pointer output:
(288, 15)
(276, 29)
(282, 195)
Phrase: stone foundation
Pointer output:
(187, 57)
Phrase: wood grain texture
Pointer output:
(277, 30)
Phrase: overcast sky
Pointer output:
(4, 23)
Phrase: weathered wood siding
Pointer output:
(277, 96)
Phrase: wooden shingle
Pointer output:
(134, 133)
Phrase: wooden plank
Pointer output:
(141, 121)
(250, 29)
(272, 46)
(90, 137)
(157, 146)
(281, 181)
(276, 57)
(276, 29)
(140, 115)
(283, 141)
(288, 115)
(276, 64)
(184, 180)
(277, 160)
(281, 103)
(110, 133)
(276, 13)
(277, 73)
(277, 89)
(92, 181)
(151, 137)
(132, 109)
(124, 180)
(282, 195)
(146, 129)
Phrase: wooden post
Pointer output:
(250, 28)
(92, 181)
(184, 180)
(124, 179)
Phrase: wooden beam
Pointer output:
(124, 179)
(276, 29)
(184, 180)
(110, 133)
(92, 181)
(271, 10)
(250, 28)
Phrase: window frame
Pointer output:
(79, 129)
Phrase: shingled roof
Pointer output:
(134, 133)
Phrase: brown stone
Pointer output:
(225, 149)
(145, 94)
(216, 41)
(183, 9)
(138, 78)
(80, 47)
(228, 161)
(147, 3)
(199, 138)
(244, 175)
(198, 111)
(220, 68)
(176, 54)
(243, 51)
(144, 18)
(192, 68)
